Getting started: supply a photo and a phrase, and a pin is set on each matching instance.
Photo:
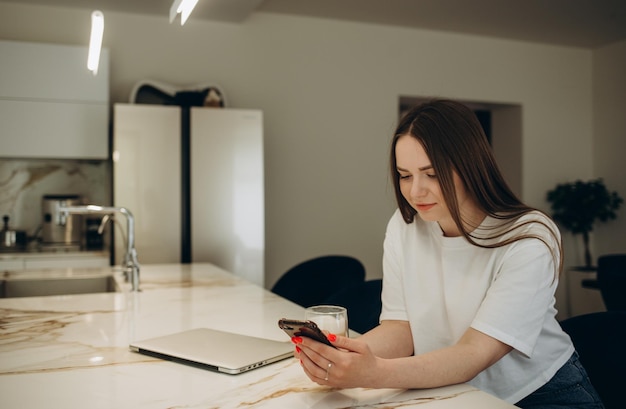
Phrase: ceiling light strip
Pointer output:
(184, 7)
(95, 42)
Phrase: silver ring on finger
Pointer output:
(330, 365)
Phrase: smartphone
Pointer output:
(299, 328)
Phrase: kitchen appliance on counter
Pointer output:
(12, 240)
(58, 234)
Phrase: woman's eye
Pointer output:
(431, 176)
(405, 176)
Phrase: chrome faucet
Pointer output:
(131, 265)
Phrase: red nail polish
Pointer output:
(298, 349)
(296, 340)
(332, 337)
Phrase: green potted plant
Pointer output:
(577, 205)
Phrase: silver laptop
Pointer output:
(215, 350)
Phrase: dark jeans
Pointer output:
(569, 388)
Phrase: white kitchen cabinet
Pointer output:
(51, 106)
(227, 190)
(226, 182)
(146, 179)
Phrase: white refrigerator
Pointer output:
(193, 179)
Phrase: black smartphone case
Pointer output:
(298, 328)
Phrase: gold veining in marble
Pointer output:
(283, 392)
(405, 402)
(23, 182)
(30, 332)
(21, 322)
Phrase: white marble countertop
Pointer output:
(72, 351)
(35, 254)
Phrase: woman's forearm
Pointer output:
(459, 363)
(391, 339)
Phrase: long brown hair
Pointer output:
(454, 141)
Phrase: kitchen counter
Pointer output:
(35, 259)
(72, 351)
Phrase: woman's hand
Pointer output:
(351, 365)
(383, 358)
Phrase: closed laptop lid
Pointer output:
(215, 350)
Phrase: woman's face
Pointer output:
(420, 187)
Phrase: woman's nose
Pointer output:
(417, 189)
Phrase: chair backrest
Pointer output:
(363, 303)
(600, 338)
(312, 281)
(612, 281)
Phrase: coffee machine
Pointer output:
(57, 234)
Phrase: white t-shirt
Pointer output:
(444, 285)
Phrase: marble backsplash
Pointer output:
(23, 183)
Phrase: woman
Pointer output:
(469, 279)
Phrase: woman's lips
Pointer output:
(425, 207)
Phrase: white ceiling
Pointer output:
(578, 23)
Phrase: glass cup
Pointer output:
(331, 318)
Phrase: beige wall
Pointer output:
(609, 137)
(329, 91)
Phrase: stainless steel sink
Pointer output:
(36, 287)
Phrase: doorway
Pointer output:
(502, 124)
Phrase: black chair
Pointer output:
(363, 303)
(313, 281)
(600, 338)
(612, 281)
